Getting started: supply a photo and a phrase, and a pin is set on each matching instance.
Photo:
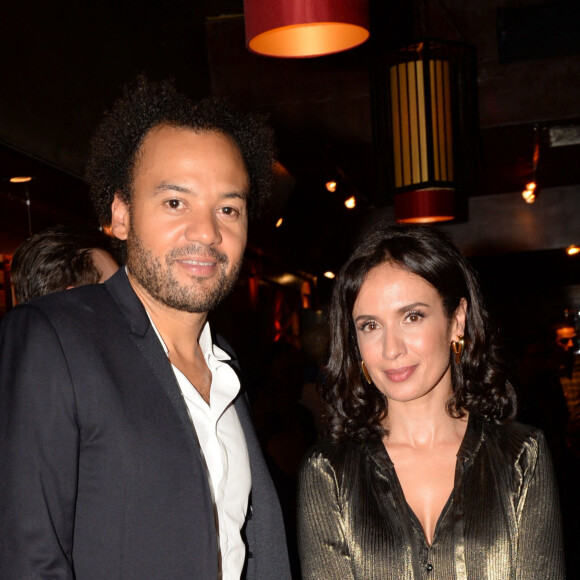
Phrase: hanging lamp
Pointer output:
(305, 28)
(426, 107)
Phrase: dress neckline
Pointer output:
(470, 444)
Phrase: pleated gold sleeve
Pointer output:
(501, 522)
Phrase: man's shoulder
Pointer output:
(81, 300)
(83, 307)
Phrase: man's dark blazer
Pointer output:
(101, 473)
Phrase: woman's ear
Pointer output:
(459, 319)
(120, 218)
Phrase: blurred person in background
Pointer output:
(58, 258)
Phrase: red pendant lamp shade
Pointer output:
(425, 206)
(305, 28)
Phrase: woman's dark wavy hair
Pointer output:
(480, 382)
(144, 105)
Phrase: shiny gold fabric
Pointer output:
(501, 522)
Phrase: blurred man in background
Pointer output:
(58, 258)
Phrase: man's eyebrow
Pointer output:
(243, 195)
(164, 187)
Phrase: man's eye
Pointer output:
(173, 203)
(229, 210)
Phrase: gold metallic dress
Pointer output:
(501, 522)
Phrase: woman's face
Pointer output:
(404, 334)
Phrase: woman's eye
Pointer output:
(414, 316)
(369, 326)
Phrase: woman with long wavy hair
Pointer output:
(425, 475)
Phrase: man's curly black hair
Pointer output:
(147, 104)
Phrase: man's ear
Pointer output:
(120, 218)
(460, 316)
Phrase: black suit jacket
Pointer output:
(101, 474)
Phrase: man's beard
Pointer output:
(199, 296)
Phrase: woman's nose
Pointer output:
(394, 345)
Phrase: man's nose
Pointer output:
(203, 227)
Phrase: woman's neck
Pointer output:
(422, 425)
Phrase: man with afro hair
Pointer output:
(126, 446)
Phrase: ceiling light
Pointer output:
(330, 275)
(573, 250)
(279, 222)
(305, 28)
(350, 203)
(425, 95)
(529, 194)
(25, 179)
(331, 186)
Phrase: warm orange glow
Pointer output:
(573, 250)
(20, 179)
(426, 219)
(425, 206)
(108, 230)
(529, 195)
(299, 28)
(279, 222)
(350, 203)
(306, 293)
(310, 39)
(330, 275)
(331, 186)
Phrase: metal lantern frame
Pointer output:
(426, 124)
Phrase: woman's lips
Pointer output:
(401, 374)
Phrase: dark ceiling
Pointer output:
(63, 63)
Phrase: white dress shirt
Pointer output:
(223, 446)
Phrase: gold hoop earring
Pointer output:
(365, 372)
(457, 346)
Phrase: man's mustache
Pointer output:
(197, 250)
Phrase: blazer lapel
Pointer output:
(144, 336)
